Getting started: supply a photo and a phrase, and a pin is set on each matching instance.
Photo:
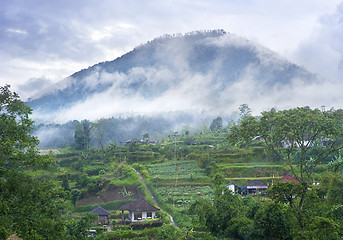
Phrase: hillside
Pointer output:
(203, 71)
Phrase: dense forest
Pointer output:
(49, 194)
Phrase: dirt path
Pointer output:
(153, 197)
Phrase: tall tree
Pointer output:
(215, 215)
(216, 124)
(83, 134)
(244, 111)
(17, 148)
(28, 207)
(100, 129)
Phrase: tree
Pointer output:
(83, 134)
(216, 124)
(17, 148)
(75, 195)
(101, 128)
(285, 192)
(244, 111)
(215, 215)
(272, 222)
(28, 207)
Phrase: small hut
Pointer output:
(139, 210)
(103, 215)
(255, 186)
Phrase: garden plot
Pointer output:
(177, 170)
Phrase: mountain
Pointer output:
(208, 72)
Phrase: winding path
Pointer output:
(153, 197)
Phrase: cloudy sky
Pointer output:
(42, 42)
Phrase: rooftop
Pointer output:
(100, 211)
(140, 205)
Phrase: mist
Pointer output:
(196, 77)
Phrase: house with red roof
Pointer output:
(288, 178)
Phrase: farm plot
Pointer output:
(181, 197)
(177, 186)
(188, 170)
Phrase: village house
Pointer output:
(103, 215)
(235, 189)
(255, 187)
(139, 210)
(288, 178)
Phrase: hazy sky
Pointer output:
(42, 42)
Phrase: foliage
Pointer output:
(294, 136)
(28, 207)
(77, 228)
(216, 124)
(17, 148)
(272, 222)
(215, 216)
(287, 192)
(319, 228)
(168, 232)
(83, 134)
(75, 195)
(241, 228)
(244, 111)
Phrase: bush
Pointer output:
(168, 232)
(241, 228)
(68, 162)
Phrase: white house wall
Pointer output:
(144, 216)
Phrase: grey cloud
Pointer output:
(323, 51)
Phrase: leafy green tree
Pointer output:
(320, 228)
(28, 207)
(215, 215)
(83, 134)
(216, 124)
(333, 184)
(244, 111)
(77, 228)
(17, 148)
(241, 228)
(272, 222)
(101, 127)
(242, 135)
(75, 195)
(287, 192)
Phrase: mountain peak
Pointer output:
(208, 71)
